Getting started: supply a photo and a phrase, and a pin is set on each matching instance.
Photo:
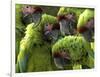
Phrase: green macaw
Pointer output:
(85, 25)
(35, 53)
(68, 17)
(72, 51)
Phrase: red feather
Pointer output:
(37, 9)
(61, 17)
(82, 29)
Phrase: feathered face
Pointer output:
(51, 32)
(48, 27)
(26, 14)
(47, 32)
(90, 24)
(64, 28)
(72, 22)
(37, 14)
(67, 24)
(87, 30)
(26, 10)
(31, 14)
(70, 16)
(61, 59)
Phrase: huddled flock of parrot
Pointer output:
(61, 39)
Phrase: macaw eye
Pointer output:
(27, 7)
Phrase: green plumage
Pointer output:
(66, 10)
(77, 47)
(85, 17)
(34, 52)
(20, 28)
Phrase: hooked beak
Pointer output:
(64, 27)
(61, 59)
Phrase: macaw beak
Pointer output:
(61, 62)
(61, 59)
(36, 17)
(58, 63)
(64, 27)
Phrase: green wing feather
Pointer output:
(20, 28)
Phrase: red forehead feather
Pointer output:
(82, 29)
(37, 9)
(61, 17)
(56, 54)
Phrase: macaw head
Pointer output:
(85, 24)
(51, 31)
(61, 58)
(67, 23)
(70, 50)
(31, 14)
(27, 9)
(47, 32)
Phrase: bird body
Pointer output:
(34, 53)
(50, 43)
